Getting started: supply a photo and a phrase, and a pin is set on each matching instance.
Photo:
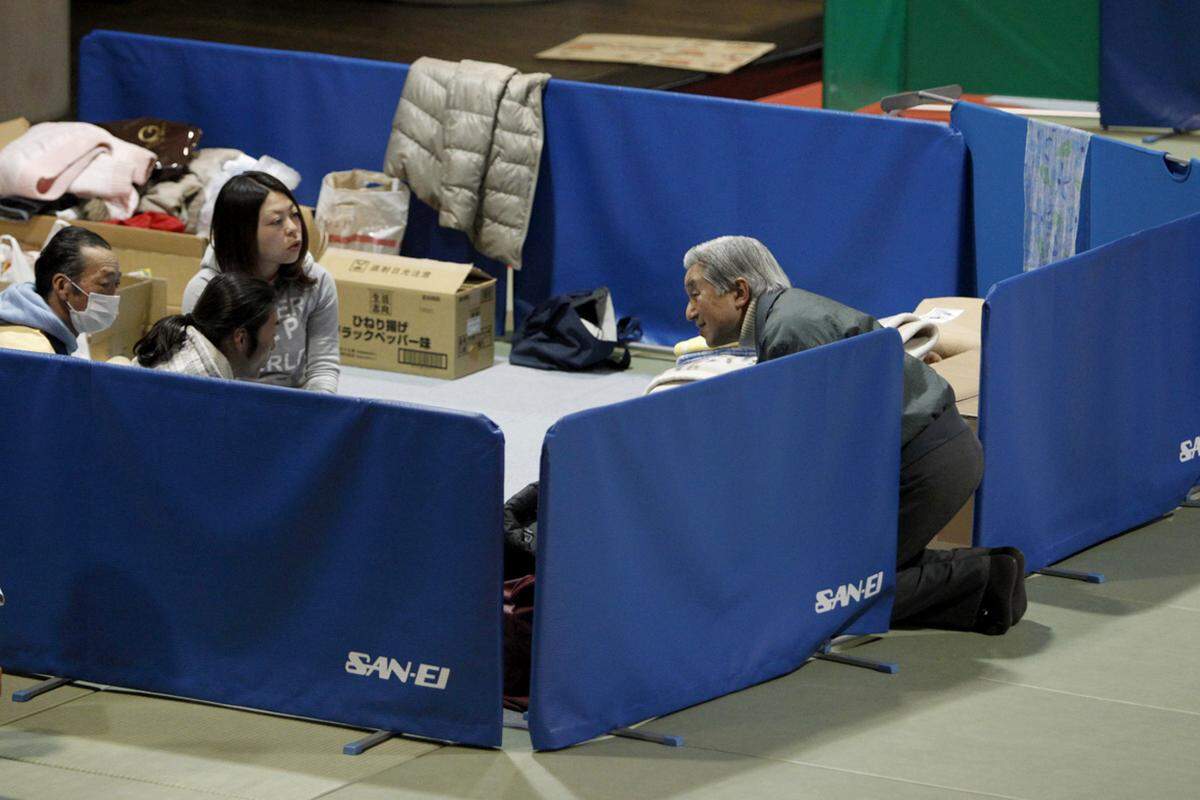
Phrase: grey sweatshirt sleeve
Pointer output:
(324, 349)
(195, 288)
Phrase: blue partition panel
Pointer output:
(1090, 400)
(866, 210)
(1149, 75)
(317, 113)
(996, 153)
(995, 143)
(1133, 188)
(255, 546)
(1126, 189)
(695, 542)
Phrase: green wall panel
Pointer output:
(1038, 48)
(863, 56)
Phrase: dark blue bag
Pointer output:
(555, 336)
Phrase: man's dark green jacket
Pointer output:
(788, 321)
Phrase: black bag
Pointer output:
(554, 336)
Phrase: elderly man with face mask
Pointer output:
(738, 294)
(74, 292)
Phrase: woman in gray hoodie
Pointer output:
(257, 230)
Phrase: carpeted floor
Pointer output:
(524, 402)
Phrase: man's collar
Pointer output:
(746, 338)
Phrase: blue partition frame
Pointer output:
(1148, 77)
(1126, 189)
(1132, 188)
(1090, 403)
(867, 210)
(253, 546)
(1075, 445)
(686, 538)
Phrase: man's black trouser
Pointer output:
(940, 469)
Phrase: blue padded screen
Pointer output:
(685, 537)
(1149, 76)
(255, 546)
(1089, 399)
(865, 210)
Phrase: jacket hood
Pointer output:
(22, 305)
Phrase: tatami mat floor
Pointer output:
(1094, 695)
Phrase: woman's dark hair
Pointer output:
(64, 253)
(230, 301)
(235, 228)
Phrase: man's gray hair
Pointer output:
(725, 259)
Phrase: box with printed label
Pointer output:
(174, 257)
(413, 315)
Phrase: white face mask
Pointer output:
(99, 313)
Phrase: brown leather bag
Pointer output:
(173, 142)
(518, 641)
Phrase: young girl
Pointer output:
(229, 334)
(257, 230)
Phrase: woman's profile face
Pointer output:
(279, 234)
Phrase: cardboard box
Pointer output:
(413, 315)
(959, 321)
(962, 373)
(11, 130)
(143, 302)
(174, 257)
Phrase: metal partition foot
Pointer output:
(670, 740)
(1158, 137)
(25, 695)
(360, 746)
(886, 667)
(1193, 498)
(1072, 574)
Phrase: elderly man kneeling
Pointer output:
(739, 295)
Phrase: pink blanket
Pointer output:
(54, 158)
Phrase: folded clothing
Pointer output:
(918, 335)
(22, 209)
(699, 363)
(174, 197)
(54, 158)
(153, 220)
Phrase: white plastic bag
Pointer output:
(286, 175)
(363, 210)
(15, 265)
